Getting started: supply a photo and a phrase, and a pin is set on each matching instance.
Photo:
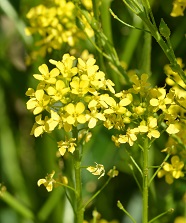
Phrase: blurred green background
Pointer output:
(25, 159)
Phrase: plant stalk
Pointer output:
(78, 206)
(79, 210)
(145, 181)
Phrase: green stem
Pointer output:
(146, 54)
(171, 210)
(98, 192)
(145, 181)
(150, 23)
(105, 19)
(119, 204)
(79, 210)
(131, 43)
(151, 179)
(78, 207)
(65, 185)
(96, 10)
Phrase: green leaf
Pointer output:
(164, 29)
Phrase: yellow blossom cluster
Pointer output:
(178, 8)
(176, 145)
(76, 95)
(54, 24)
(174, 80)
(143, 110)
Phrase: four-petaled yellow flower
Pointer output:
(173, 170)
(149, 127)
(75, 113)
(46, 76)
(39, 102)
(160, 99)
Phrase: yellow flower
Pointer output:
(130, 136)
(97, 170)
(46, 76)
(173, 170)
(58, 91)
(172, 129)
(39, 102)
(178, 8)
(87, 67)
(68, 144)
(93, 116)
(159, 99)
(140, 84)
(47, 182)
(40, 126)
(74, 113)
(116, 108)
(149, 127)
(180, 219)
(79, 87)
(66, 66)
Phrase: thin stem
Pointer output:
(151, 179)
(96, 10)
(136, 165)
(105, 19)
(65, 185)
(145, 181)
(161, 215)
(126, 24)
(146, 54)
(79, 210)
(119, 204)
(155, 33)
(97, 193)
(79, 215)
(135, 178)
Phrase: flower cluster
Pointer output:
(55, 24)
(178, 8)
(176, 145)
(76, 95)
(73, 95)
(141, 111)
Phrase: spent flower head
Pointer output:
(48, 181)
(97, 170)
